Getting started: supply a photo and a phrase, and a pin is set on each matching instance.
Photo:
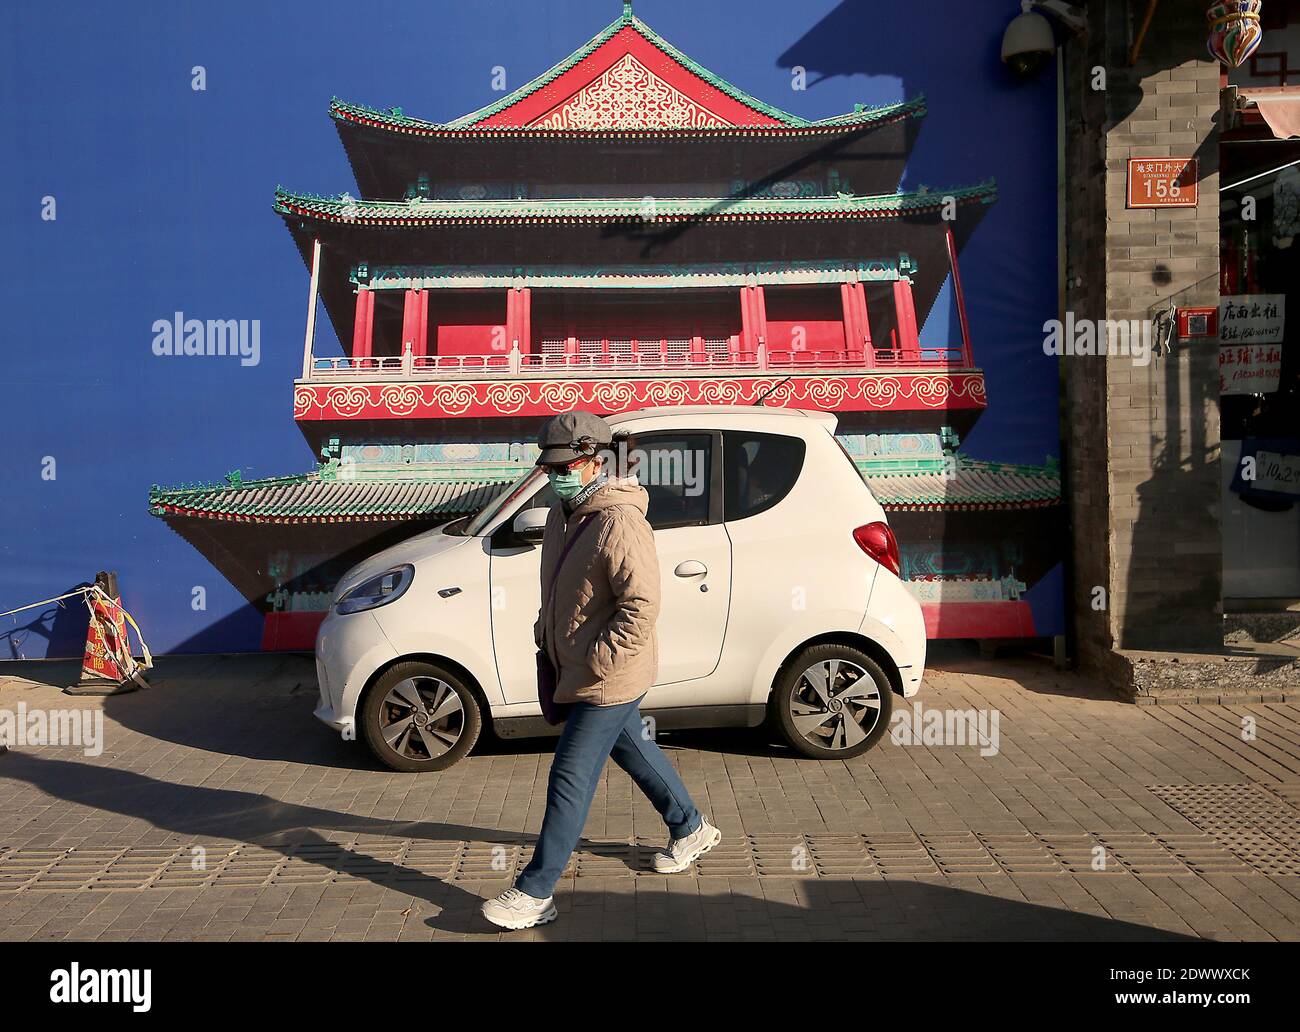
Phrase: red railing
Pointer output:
(621, 362)
(922, 356)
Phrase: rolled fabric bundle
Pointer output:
(1235, 32)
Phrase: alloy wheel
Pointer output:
(421, 718)
(835, 704)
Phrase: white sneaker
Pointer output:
(683, 852)
(514, 910)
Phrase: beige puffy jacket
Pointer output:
(599, 630)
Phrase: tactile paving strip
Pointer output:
(829, 855)
(1255, 825)
(960, 852)
(1022, 854)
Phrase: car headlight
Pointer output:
(376, 591)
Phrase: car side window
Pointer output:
(674, 468)
(543, 498)
(758, 471)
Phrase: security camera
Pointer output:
(1029, 43)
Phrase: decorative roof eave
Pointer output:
(305, 498)
(645, 275)
(970, 485)
(422, 212)
(975, 486)
(396, 122)
(990, 505)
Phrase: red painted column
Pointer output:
(759, 301)
(422, 334)
(410, 321)
(415, 321)
(863, 339)
(848, 305)
(905, 311)
(748, 341)
(512, 317)
(363, 329)
(526, 320)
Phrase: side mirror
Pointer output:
(530, 525)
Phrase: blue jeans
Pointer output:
(591, 734)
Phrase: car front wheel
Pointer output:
(418, 717)
(832, 702)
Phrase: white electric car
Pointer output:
(780, 600)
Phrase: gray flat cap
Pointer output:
(570, 435)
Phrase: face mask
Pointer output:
(566, 485)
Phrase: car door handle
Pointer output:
(691, 568)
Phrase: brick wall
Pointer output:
(1142, 441)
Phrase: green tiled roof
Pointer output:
(422, 211)
(310, 498)
(395, 119)
(969, 484)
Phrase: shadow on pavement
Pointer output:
(260, 707)
(1023, 669)
(880, 909)
(222, 814)
(255, 706)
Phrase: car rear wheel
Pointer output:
(418, 717)
(832, 702)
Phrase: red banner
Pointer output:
(108, 652)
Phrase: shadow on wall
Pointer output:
(1183, 491)
(61, 626)
(244, 624)
(913, 43)
(875, 908)
(954, 60)
(1176, 536)
(909, 43)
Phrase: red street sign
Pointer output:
(1162, 182)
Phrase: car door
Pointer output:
(779, 575)
(678, 471)
(514, 573)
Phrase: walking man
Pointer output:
(600, 601)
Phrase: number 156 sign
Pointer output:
(1162, 182)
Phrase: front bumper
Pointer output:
(325, 711)
(349, 649)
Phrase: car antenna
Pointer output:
(775, 387)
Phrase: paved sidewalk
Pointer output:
(219, 809)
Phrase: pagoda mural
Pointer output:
(626, 230)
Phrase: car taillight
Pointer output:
(878, 541)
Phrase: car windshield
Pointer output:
(521, 488)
